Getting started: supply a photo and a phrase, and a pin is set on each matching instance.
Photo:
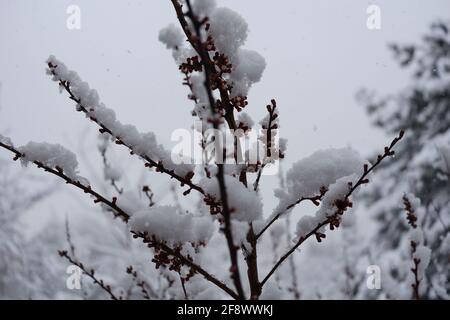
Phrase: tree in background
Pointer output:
(422, 165)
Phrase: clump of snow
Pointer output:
(171, 36)
(248, 68)
(167, 224)
(321, 169)
(142, 144)
(129, 201)
(204, 8)
(229, 30)
(245, 204)
(336, 191)
(244, 120)
(305, 225)
(416, 236)
(54, 156)
(239, 229)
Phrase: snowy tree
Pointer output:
(228, 221)
(422, 164)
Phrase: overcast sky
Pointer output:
(318, 53)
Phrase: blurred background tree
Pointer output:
(422, 166)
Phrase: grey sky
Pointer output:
(318, 54)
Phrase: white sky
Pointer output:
(318, 53)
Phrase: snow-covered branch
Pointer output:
(338, 201)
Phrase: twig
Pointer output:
(146, 289)
(294, 287)
(314, 199)
(90, 274)
(411, 217)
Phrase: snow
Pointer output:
(336, 191)
(171, 36)
(229, 31)
(5, 140)
(416, 236)
(167, 224)
(111, 173)
(244, 120)
(424, 254)
(305, 225)
(246, 205)
(130, 202)
(142, 144)
(204, 8)
(50, 155)
(248, 67)
(239, 229)
(321, 169)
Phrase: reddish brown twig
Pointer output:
(314, 199)
(188, 262)
(411, 217)
(146, 289)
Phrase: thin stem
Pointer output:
(314, 199)
(90, 274)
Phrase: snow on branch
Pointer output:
(142, 144)
(420, 253)
(168, 225)
(340, 202)
(57, 160)
(165, 254)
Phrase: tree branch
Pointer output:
(103, 129)
(331, 220)
(122, 214)
(117, 211)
